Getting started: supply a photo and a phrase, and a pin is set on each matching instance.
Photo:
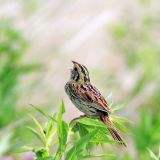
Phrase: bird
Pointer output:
(88, 99)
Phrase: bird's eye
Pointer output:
(75, 69)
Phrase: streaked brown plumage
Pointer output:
(88, 99)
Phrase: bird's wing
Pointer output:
(90, 95)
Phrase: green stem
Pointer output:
(59, 153)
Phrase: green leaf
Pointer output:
(5, 142)
(116, 118)
(38, 126)
(49, 132)
(36, 134)
(62, 127)
(46, 158)
(42, 153)
(78, 147)
(62, 132)
(97, 156)
(24, 149)
(92, 122)
(101, 137)
(82, 130)
(121, 127)
(152, 155)
(43, 113)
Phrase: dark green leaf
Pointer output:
(75, 150)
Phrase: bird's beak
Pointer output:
(75, 63)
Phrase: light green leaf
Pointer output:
(152, 155)
(5, 142)
(121, 127)
(116, 118)
(24, 149)
(101, 137)
(43, 113)
(62, 127)
(38, 126)
(91, 122)
(97, 156)
(49, 132)
(82, 130)
(78, 147)
(36, 134)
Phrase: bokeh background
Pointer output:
(118, 41)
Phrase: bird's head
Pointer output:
(79, 73)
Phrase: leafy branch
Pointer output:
(70, 142)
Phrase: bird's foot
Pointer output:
(81, 116)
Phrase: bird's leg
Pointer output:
(81, 116)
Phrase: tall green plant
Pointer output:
(70, 142)
(12, 51)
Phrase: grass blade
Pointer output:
(77, 148)
(24, 149)
(152, 155)
(43, 113)
(38, 126)
(36, 134)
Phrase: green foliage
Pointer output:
(75, 141)
(62, 132)
(12, 51)
(153, 156)
(146, 134)
(4, 143)
(139, 47)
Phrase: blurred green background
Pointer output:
(118, 41)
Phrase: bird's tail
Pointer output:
(116, 136)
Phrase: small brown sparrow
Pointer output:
(88, 99)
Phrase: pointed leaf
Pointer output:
(116, 118)
(77, 148)
(43, 113)
(24, 149)
(121, 127)
(91, 122)
(36, 134)
(62, 128)
(152, 155)
(38, 126)
(97, 156)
